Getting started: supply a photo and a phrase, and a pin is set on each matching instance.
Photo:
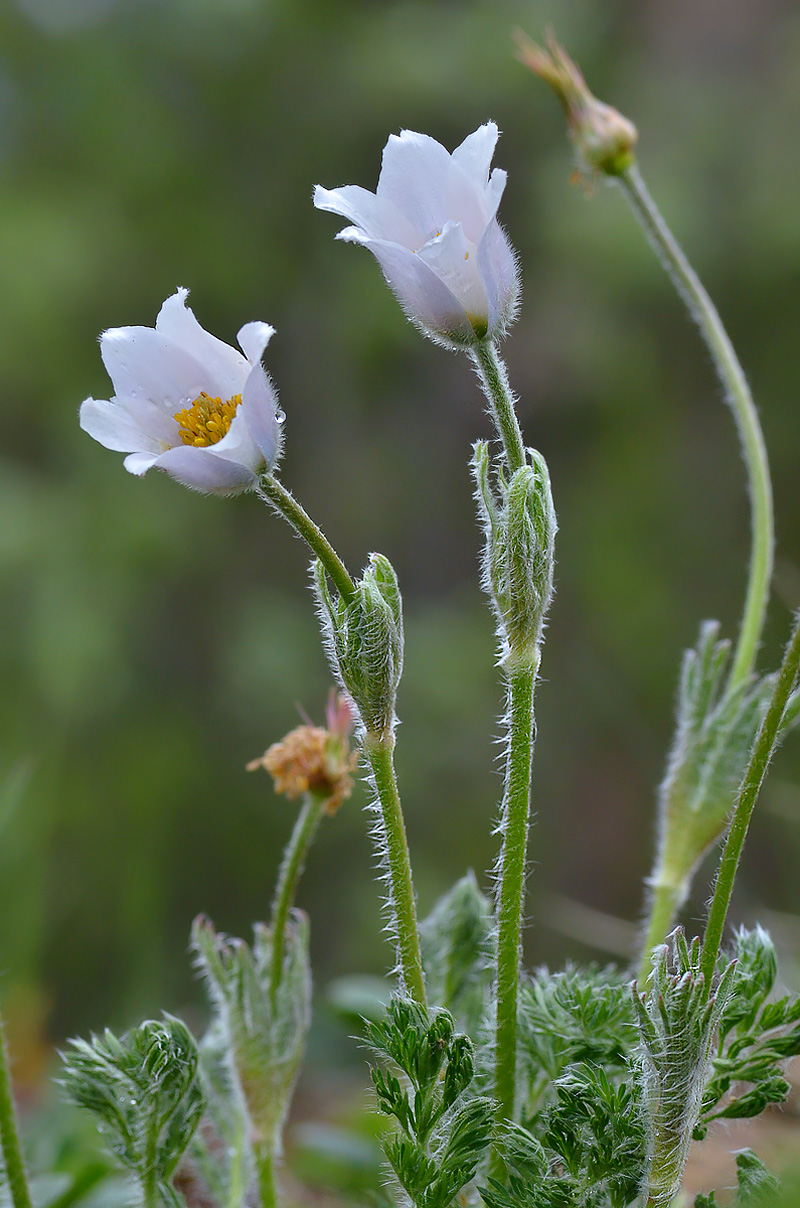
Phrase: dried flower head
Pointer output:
(603, 137)
(315, 759)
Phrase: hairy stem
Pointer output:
(511, 882)
(494, 382)
(738, 396)
(294, 858)
(748, 794)
(379, 752)
(275, 493)
(739, 399)
(378, 749)
(9, 1135)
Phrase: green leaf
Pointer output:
(145, 1091)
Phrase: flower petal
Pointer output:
(115, 428)
(204, 471)
(500, 274)
(475, 154)
(377, 217)
(494, 190)
(144, 364)
(226, 366)
(455, 262)
(253, 339)
(259, 408)
(140, 463)
(424, 297)
(414, 175)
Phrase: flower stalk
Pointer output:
(748, 794)
(379, 752)
(495, 385)
(511, 882)
(9, 1134)
(294, 858)
(739, 399)
(278, 497)
(378, 742)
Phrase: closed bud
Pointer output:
(603, 138)
(520, 527)
(366, 641)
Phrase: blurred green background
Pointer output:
(152, 641)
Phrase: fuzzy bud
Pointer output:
(520, 526)
(603, 137)
(366, 641)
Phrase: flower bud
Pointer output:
(520, 527)
(603, 137)
(366, 641)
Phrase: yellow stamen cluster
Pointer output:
(207, 420)
(311, 759)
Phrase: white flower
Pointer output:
(188, 403)
(432, 227)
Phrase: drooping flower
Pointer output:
(188, 403)
(432, 226)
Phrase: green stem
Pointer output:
(265, 1173)
(9, 1135)
(511, 883)
(275, 493)
(294, 858)
(748, 794)
(494, 381)
(664, 903)
(740, 401)
(379, 751)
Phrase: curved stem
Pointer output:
(9, 1135)
(494, 382)
(740, 401)
(275, 493)
(379, 752)
(664, 903)
(748, 794)
(294, 858)
(511, 883)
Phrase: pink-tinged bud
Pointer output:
(603, 137)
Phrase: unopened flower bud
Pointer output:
(520, 527)
(315, 759)
(603, 137)
(366, 641)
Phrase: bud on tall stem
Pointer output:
(364, 639)
(519, 523)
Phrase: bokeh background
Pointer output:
(153, 641)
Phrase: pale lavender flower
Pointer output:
(432, 226)
(187, 403)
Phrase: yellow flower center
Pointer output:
(207, 420)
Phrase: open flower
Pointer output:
(188, 403)
(433, 229)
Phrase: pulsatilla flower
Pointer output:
(187, 403)
(432, 226)
(315, 759)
